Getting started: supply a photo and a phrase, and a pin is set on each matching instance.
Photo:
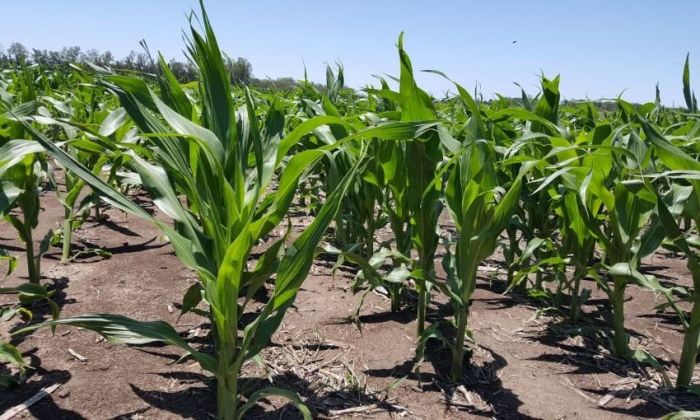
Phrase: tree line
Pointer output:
(240, 68)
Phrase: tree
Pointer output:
(91, 56)
(282, 83)
(18, 53)
(54, 58)
(70, 54)
(106, 58)
(241, 70)
(143, 63)
(129, 61)
(40, 57)
(184, 72)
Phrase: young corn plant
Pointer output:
(414, 189)
(480, 208)
(564, 169)
(26, 293)
(577, 244)
(21, 180)
(80, 107)
(683, 167)
(23, 173)
(539, 218)
(391, 175)
(400, 179)
(9, 353)
(602, 204)
(627, 234)
(358, 219)
(526, 134)
(213, 180)
(75, 210)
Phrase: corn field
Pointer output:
(413, 203)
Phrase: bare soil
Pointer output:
(527, 362)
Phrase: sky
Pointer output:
(600, 48)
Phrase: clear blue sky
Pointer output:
(599, 48)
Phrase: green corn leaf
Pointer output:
(687, 93)
(119, 329)
(116, 119)
(273, 391)
(10, 354)
(14, 151)
(8, 194)
(173, 94)
(182, 125)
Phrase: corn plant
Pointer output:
(415, 197)
(21, 184)
(480, 208)
(358, 219)
(626, 236)
(23, 172)
(80, 108)
(684, 167)
(539, 219)
(527, 134)
(391, 175)
(222, 168)
(26, 293)
(423, 195)
(400, 179)
(564, 169)
(9, 353)
(577, 245)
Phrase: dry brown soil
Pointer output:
(527, 363)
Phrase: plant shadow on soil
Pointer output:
(596, 317)
(482, 380)
(585, 362)
(47, 408)
(84, 254)
(41, 312)
(198, 400)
